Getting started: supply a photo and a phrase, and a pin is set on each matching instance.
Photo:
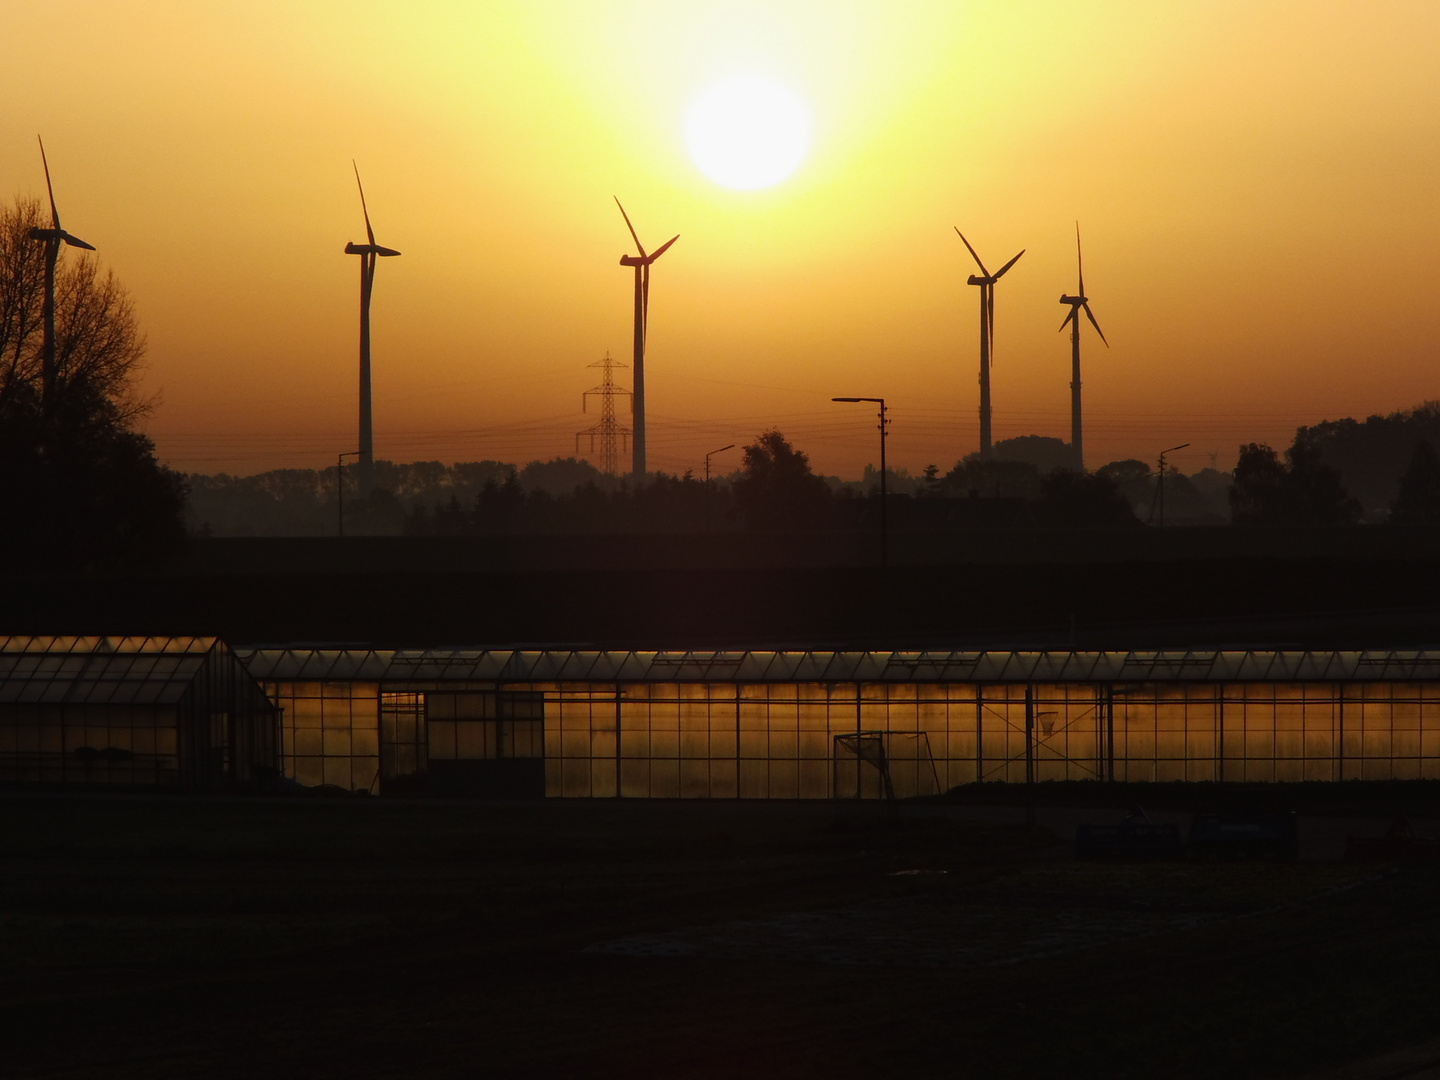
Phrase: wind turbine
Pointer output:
(986, 281)
(1077, 303)
(642, 311)
(53, 238)
(368, 254)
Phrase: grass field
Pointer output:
(187, 937)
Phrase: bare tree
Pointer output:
(79, 487)
(98, 345)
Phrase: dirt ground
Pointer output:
(216, 938)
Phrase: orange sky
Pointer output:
(1258, 185)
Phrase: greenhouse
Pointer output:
(815, 724)
(166, 712)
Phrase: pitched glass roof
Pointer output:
(99, 670)
(761, 666)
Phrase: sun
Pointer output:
(747, 132)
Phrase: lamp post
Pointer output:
(1160, 481)
(884, 523)
(707, 481)
(340, 484)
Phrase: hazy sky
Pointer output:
(1257, 183)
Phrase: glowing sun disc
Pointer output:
(747, 133)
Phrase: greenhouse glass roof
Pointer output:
(785, 666)
(99, 670)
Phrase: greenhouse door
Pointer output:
(486, 745)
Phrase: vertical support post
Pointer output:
(617, 740)
(500, 722)
(884, 497)
(979, 717)
(637, 397)
(1099, 733)
(340, 487)
(859, 773)
(49, 371)
(1029, 755)
(1220, 733)
(367, 445)
(984, 374)
(1110, 733)
(1340, 740)
(738, 689)
(1076, 447)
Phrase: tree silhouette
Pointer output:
(992, 478)
(1071, 499)
(98, 345)
(1045, 452)
(1371, 454)
(1418, 501)
(1304, 491)
(776, 489)
(78, 486)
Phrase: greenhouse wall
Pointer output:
(818, 740)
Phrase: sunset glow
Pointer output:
(1256, 184)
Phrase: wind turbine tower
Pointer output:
(641, 263)
(608, 429)
(986, 281)
(368, 253)
(53, 237)
(1079, 302)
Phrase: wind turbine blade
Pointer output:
(662, 248)
(1001, 272)
(972, 251)
(385, 251)
(1068, 319)
(629, 226)
(54, 214)
(1096, 325)
(1079, 262)
(75, 241)
(363, 208)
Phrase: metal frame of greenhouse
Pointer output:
(160, 712)
(764, 724)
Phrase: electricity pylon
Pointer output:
(613, 438)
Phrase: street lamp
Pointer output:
(1160, 482)
(707, 481)
(340, 484)
(884, 524)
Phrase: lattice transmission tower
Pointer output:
(614, 439)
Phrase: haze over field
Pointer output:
(1256, 184)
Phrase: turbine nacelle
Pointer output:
(59, 235)
(369, 249)
(1074, 301)
(642, 259)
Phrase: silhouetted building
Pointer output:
(177, 712)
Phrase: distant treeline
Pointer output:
(774, 489)
(1336, 472)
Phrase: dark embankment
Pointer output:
(1135, 588)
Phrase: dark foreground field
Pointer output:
(230, 938)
